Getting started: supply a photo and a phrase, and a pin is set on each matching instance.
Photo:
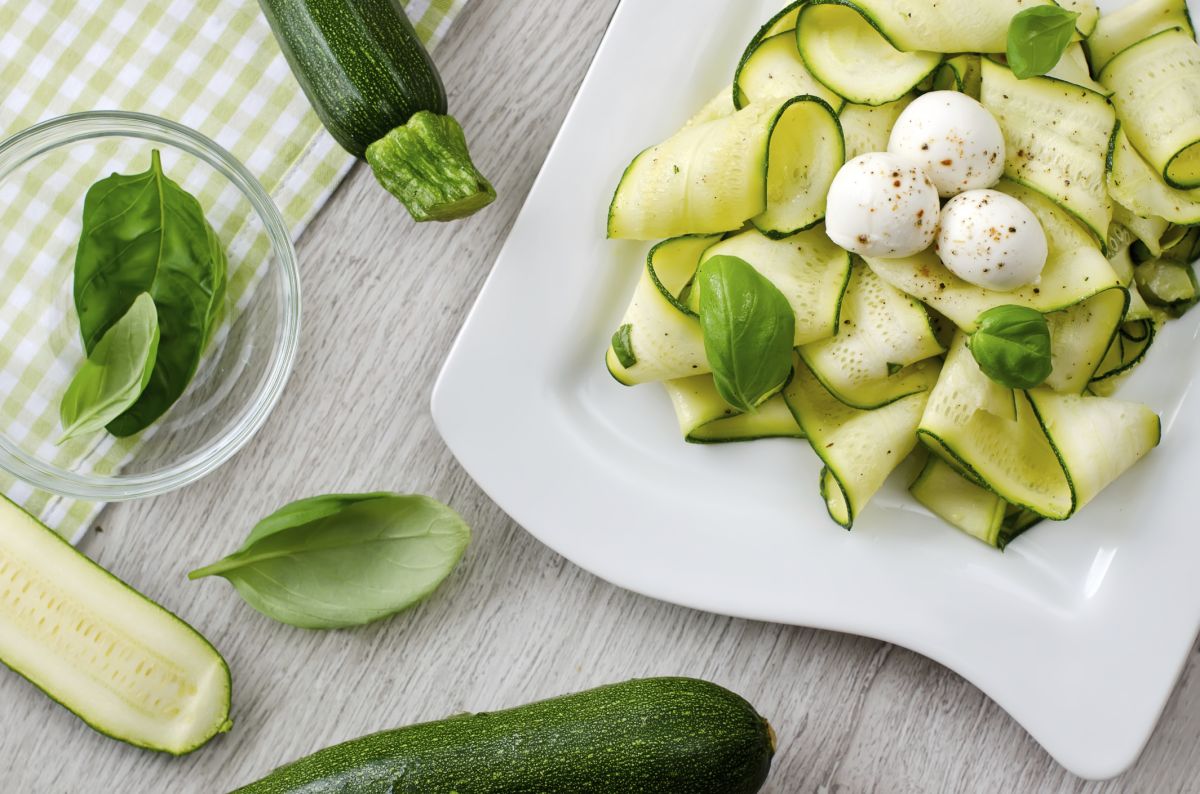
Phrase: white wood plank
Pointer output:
(384, 299)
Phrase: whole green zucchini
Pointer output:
(373, 84)
(676, 735)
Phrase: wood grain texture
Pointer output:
(383, 301)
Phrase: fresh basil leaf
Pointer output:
(623, 346)
(145, 233)
(1012, 346)
(115, 374)
(1037, 39)
(749, 330)
(345, 560)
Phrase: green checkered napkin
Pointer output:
(212, 65)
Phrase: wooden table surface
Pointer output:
(516, 622)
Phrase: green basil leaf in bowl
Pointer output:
(1037, 39)
(345, 559)
(1012, 346)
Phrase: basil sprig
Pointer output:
(749, 331)
(143, 233)
(345, 559)
(115, 374)
(1037, 39)
(1012, 346)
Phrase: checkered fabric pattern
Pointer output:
(212, 65)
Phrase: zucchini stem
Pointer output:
(425, 163)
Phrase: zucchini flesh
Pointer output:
(867, 128)
(950, 26)
(705, 418)
(848, 55)
(773, 70)
(1141, 190)
(960, 73)
(1128, 25)
(1057, 138)
(1156, 90)
(810, 271)
(1073, 68)
(803, 163)
(959, 502)
(1080, 335)
(124, 665)
(713, 177)
(663, 335)
(1089, 15)
(783, 22)
(664, 734)
(718, 107)
(860, 449)
(1128, 349)
(883, 332)
(1167, 284)
(1148, 230)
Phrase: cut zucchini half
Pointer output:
(960, 73)
(715, 176)
(867, 128)
(1057, 136)
(860, 449)
(843, 51)
(1075, 270)
(959, 502)
(124, 665)
(659, 337)
(705, 418)
(810, 271)
(1140, 189)
(949, 26)
(1156, 90)
(1127, 26)
(1073, 68)
(883, 333)
(773, 70)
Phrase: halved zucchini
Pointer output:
(705, 418)
(1140, 189)
(1156, 90)
(860, 449)
(773, 70)
(810, 271)
(847, 54)
(1127, 26)
(124, 665)
(867, 128)
(715, 176)
(883, 332)
(659, 337)
(1057, 137)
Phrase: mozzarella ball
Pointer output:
(883, 206)
(992, 240)
(954, 138)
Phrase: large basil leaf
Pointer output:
(749, 329)
(1012, 346)
(345, 560)
(145, 233)
(1037, 39)
(115, 374)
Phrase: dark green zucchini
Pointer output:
(676, 735)
(373, 84)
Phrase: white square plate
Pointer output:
(1079, 630)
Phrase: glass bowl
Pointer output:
(45, 171)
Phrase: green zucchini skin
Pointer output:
(677, 735)
(359, 62)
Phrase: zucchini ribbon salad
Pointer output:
(936, 228)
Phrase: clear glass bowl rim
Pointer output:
(55, 133)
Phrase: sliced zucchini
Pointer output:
(124, 665)
(1075, 270)
(1168, 284)
(719, 107)
(773, 70)
(1156, 90)
(782, 22)
(659, 337)
(1073, 68)
(847, 54)
(883, 332)
(959, 502)
(1127, 26)
(1089, 15)
(810, 271)
(960, 73)
(1148, 230)
(1128, 349)
(1057, 137)
(950, 26)
(802, 168)
(860, 449)
(1080, 335)
(715, 176)
(1141, 190)
(705, 418)
(867, 128)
